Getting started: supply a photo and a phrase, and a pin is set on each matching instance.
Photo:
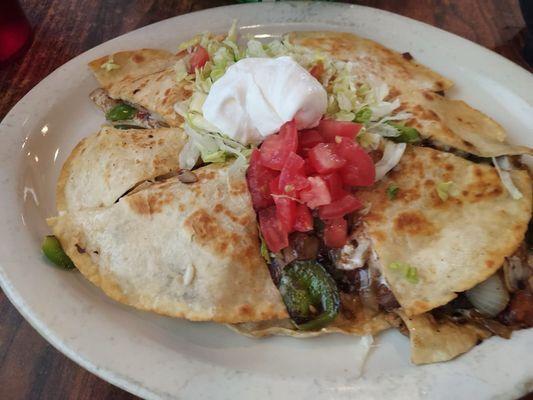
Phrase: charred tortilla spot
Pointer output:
(204, 226)
(448, 167)
(245, 309)
(429, 96)
(138, 58)
(429, 183)
(407, 56)
(380, 236)
(139, 205)
(218, 208)
(239, 188)
(80, 249)
(414, 223)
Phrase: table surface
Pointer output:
(30, 368)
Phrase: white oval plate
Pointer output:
(157, 357)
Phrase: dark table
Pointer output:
(30, 368)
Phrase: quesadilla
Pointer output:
(105, 165)
(180, 249)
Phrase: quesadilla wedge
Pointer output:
(105, 165)
(374, 61)
(454, 125)
(144, 79)
(454, 241)
(182, 250)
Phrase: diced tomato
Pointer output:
(304, 219)
(308, 169)
(317, 194)
(292, 175)
(274, 186)
(334, 182)
(307, 140)
(275, 236)
(199, 57)
(317, 70)
(324, 158)
(276, 148)
(360, 169)
(259, 178)
(339, 208)
(335, 232)
(286, 212)
(355, 175)
(329, 129)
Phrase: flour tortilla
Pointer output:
(362, 321)
(436, 341)
(146, 78)
(374, 61)
(105, 165)
(451, 123)
(453, 244)
(182, 250)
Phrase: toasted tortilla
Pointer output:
(146, 78)
(451, 123)
(433, 341)
(182, 250)
(103, 166)
(376, 61)
(360, 321)
(453, 244)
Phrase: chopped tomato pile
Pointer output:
(296, 176)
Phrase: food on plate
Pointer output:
(311, 184)
(180, 249)
(142, 83)
(106, 165)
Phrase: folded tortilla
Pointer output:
(451, 124)
(144, 77)
(436, 341)
(183, 250)
(105, 165)
(454, 124)
(374, 61)
(453, 244)
(359, 321)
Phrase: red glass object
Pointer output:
(15, 30)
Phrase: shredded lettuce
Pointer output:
(391, 157)
(503, 166)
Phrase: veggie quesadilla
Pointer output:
(311, 184)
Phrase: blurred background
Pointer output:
(30, 368)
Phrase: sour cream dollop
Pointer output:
(256, 96)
